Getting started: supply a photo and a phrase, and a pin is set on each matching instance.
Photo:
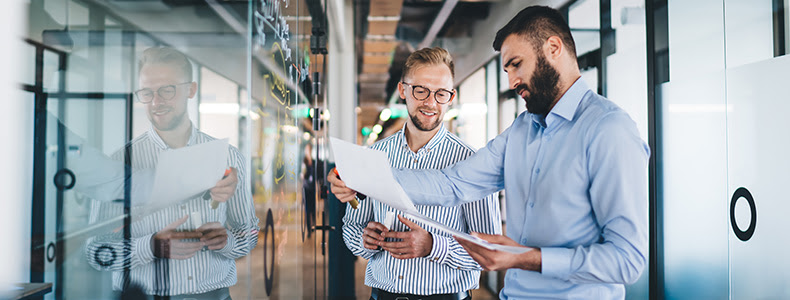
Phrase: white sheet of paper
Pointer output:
(187, 172)
(420, 218)
(368, 171)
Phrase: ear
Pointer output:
(192, 90)
(401, 90)
(553, 47)
(455, 95)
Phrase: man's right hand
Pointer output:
(371, 235)
(167, 243)
(339, 188)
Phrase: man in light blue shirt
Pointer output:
(574, 169)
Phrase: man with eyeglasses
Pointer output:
(406, 261)
(186, 251)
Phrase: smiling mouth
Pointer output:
(160, 112)
(427, 113)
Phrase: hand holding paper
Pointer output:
(368, 171)
(493, 260)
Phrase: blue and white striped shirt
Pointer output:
(448, 268)
(207, 270)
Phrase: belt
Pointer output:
(377, 294)
(218, 294)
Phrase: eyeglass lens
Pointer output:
(421, 93)
(166, 93)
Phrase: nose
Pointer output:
(157, 99)
(513, 80)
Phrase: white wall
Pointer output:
(16, 156)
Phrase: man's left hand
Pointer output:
(494, 260)
(215, 236)
(416, 242)
(225, 188)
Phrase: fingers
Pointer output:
(408, 223)
(370, 243)
(496, 239)
(226, 187)
(339, 188)
(377, 226)
(215, 236)
(183, 250)
(473, 250)
(182, 235)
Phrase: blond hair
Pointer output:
(428, 56)
(165, 55)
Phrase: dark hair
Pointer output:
(537, 24)
(428, 56)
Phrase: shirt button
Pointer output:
(537, 171)
(189, 277)
(400, 277)
(415, 160)
(532, 204)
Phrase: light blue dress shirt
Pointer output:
(576, 187)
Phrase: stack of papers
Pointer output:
(368, 171)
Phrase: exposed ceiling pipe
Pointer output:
(438, 23)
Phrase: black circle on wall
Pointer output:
(742, 192)
(97, 256)
(59, 179)
(268, 252)
(51, 252)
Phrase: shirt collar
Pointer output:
(435, 140)
(566, 106)
(161, 143)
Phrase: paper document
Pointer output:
(184, 173)
(368, 171)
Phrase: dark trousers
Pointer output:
(377, 294)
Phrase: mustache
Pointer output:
(521, 87)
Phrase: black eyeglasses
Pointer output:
(166, 92)
(421, 93)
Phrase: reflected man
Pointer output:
(410, 260)
(574, 169)
(186, 250)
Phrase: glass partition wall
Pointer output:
(105, 217)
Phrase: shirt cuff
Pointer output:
(556, 262)
(143, 249)
(439, 249)
(229, 245)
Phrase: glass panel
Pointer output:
(51, 72)
(757, 161)
(86, 149)
(219, 106)
(696, 37)
(290, 258)
(749, 31)
(585, 23)
(28, 52)
(473, 109)
(694, 181)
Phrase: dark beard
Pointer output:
(424, 127)
(544, 87)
